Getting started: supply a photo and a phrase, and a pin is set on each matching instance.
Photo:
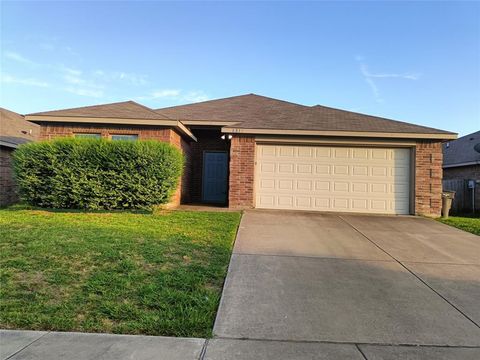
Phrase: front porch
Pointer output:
(208, 167)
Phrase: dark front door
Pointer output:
(215, 177)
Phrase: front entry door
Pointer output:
(215, 177)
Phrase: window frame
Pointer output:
(81, 135)
(126, 137)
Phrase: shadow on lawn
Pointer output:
(23, 206)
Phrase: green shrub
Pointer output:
(97, 173)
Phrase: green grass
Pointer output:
(130, 273)
(470, 224)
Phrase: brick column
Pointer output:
(242, 167)
(428, 178)
(182, 194)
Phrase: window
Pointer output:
(86, 135)
(125, 137)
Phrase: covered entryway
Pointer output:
(331, 178)
(215, 177)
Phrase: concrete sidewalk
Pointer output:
(41, 345)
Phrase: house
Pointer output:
(461, 170)
(253, 151)
(14, 130)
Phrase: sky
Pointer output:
(412, 61)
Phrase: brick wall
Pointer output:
(165, 134)
(428, 175)
(182, 195)
(8, 189)
(50, 131)
(428, 178)
(242, 167)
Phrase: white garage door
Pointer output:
(326, 178)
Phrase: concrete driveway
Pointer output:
(360, 283)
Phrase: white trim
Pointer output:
(208, 122)
(333, 141)
(390, 135)
(106, 120)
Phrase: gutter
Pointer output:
(468, 163)
(8, 144)
(370, 134)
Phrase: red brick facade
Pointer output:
(428, 178)
(428, 162)
(428, 175)
(164, 134)
(53, 130)
(182, 195)
(242, 168)
(8, 189)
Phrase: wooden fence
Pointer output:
(462, 202)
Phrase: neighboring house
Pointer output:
(461, 164)
(14, 130)
(254, 151)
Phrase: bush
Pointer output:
(97, 173)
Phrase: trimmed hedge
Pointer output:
(97, 174)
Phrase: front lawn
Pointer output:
(128, 273)
(470, 224)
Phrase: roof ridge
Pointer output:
(114, 106)
(81, 107)
(380, 117)
(232, 97)
(280, 100)
(203, 102)
(10, 111)
(147, 108)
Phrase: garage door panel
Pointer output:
(321, 169)
(285, 184)
(304, 169)
(304, 185)
(333, 178)
(360, 204)
(359, 170)
(341, 204)
(322, 185)
(286, 151)
(379, 205)
(305, 152)
(285, 201)
(339, 186)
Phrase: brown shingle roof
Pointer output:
(259, 112)
(461, 151)
(123, 110)
(15, 129)
(240, 108)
